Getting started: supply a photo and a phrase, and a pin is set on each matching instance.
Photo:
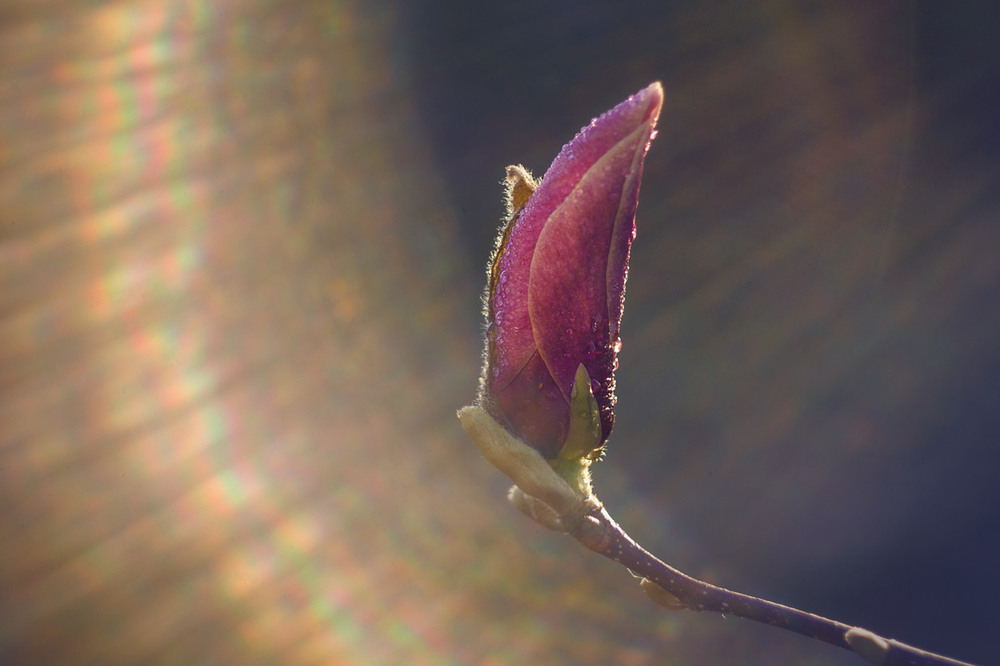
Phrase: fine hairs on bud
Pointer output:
(537, 510)
(522, 464)
(518, 186)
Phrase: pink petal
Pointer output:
(515, 342)
(534, 408)
(580, 261)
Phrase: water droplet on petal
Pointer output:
(618, 345)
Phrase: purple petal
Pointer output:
(580, 262)
(557, 287)
(515, 342)
(534, 408)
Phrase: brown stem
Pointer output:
(599, 532)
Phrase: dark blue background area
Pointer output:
(913, 396)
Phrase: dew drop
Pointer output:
(618, 345)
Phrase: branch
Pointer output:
(677, 591)
(558, 495)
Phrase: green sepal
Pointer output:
(584, 435)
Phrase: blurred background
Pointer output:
(242, 246)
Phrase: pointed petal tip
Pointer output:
(642, 108)
(653, 96)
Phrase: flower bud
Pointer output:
(557, 285)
